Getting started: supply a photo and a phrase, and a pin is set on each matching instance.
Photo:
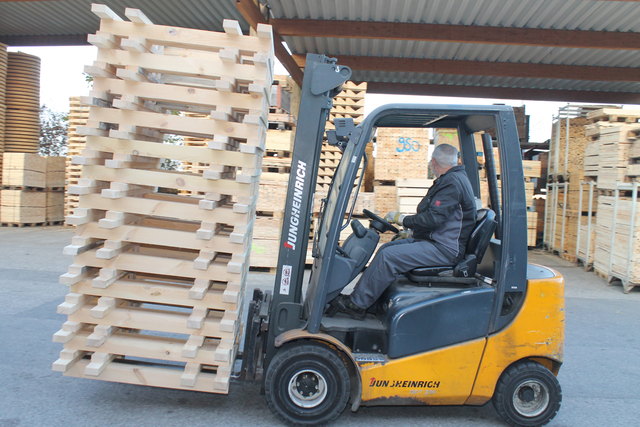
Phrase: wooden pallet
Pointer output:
(156, 279)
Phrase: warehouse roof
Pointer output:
(568, 50)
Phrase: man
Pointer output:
(441, 227)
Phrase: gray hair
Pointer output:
(446, 155)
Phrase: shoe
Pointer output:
(343, 304)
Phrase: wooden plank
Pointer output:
(153, 376)
(150, 264)
(187, 38)
(163, 237)
(158, 320)
(169, 123)
(186, 95)
(159, 293)
(191, 64)
(169, 206)
(147, 346)
(167, 179)
(175, 152)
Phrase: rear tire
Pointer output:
(527, 394)
(307, 384)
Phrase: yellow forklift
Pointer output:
(489, 328)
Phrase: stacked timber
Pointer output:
(564, 207)
(401, 169)
(78, 116)
(608, 241)
(3, 99)
(410, 192)
(32, 190)
(157, 279)
(22, 120)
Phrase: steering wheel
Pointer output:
(379, 223)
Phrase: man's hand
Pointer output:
(403, 234)
(394, 217)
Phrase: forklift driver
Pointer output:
(441, 227)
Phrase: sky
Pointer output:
(62, 67)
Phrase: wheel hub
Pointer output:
(307, 388)
(531, 398)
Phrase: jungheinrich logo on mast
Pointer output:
(294, 219)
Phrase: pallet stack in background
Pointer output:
(76, 142)
(277, 164)
(156, 281)
(4, 64)
(599, 201)
(565, 175)
(32, 190)
(32, 187)
(401, 169)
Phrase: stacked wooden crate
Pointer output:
(401, 154)
(3, 98)
(410, 192)
(78, 116)
(32, 190)
(611, 245)
(563, 208)
(157, 279)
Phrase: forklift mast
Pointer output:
(323, 80)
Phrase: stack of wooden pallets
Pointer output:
(156, 283)
(3, 98)
(608, 240)
(32, 190)
(564, 207)
(78, 116)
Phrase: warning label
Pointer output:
(285, 282)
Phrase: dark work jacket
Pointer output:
(447, 214)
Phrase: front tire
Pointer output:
(307, 384)
(527, 394)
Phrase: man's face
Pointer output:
(433, 168)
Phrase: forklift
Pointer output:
(489, 328)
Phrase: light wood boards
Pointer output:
(158, 275)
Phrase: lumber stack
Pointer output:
(3, 98)
(565, 173)
(32, 190)
(410, 191)
(608, 240)
(157, 279)
(22, 120)
(401, 169)
(76, 142)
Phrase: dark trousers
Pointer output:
(392, 260)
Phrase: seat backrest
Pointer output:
(482, 233)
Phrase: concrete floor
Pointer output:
(600, 377)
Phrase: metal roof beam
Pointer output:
(457, 33)
(54, 40)
(251, 13)
(503, 93)
(482, 68)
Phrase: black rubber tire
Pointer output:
(317, 357)
(508, 384)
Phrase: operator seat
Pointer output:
(466, 268)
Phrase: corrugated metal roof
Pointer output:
(551, 14)
(464, 51)
(491, 81)
(64, 17)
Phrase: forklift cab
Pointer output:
(447, 296)
(491, 327)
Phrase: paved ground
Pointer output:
(600, 377)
